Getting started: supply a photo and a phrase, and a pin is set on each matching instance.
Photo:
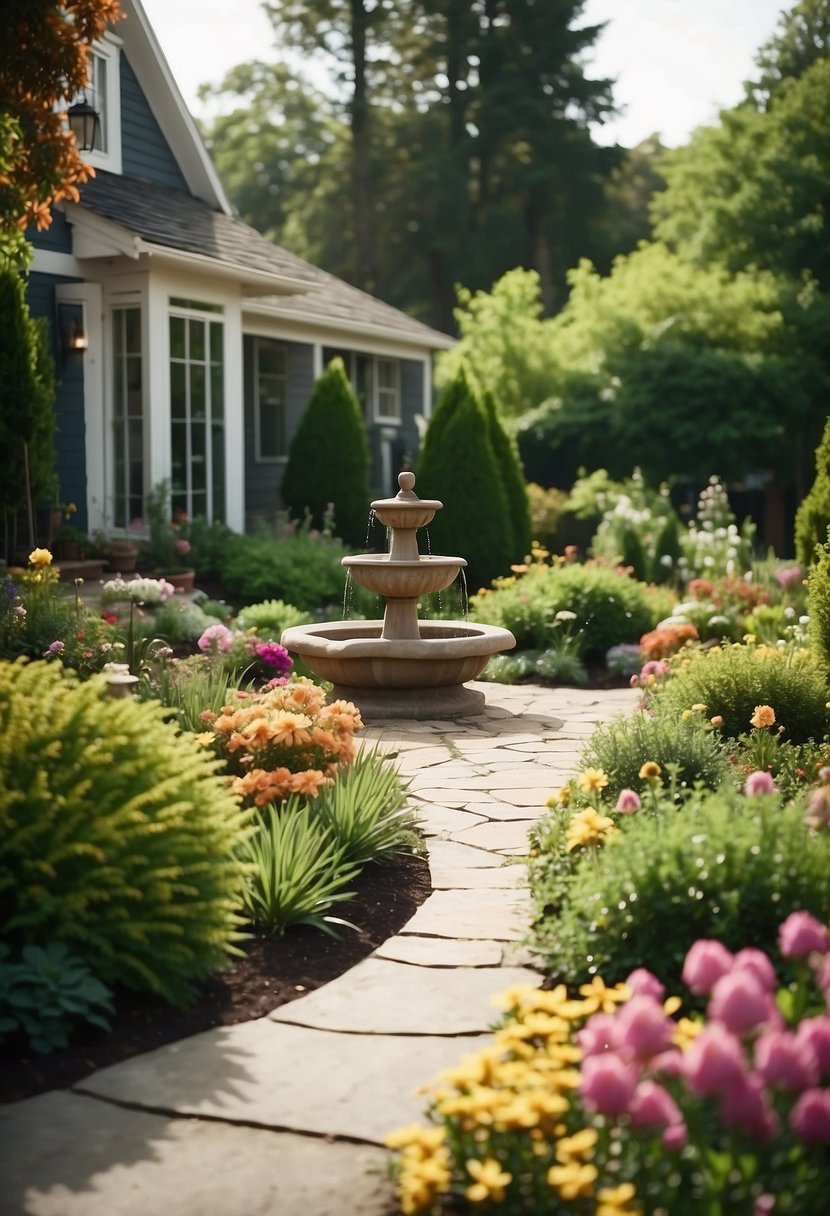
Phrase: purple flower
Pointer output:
(598, 1035)
(273, 655)
(608, 1084)
(52, 649)
(789, 574)
(810, 1117)
(217, 639)
(715, 1062)
(759, 782)
(643, 1029)
(786, 1060)
(801, 934)
(645, 984)
(738, 1001)
(705, 963)
(816, 1032)
(750, 959)
(653, 1106)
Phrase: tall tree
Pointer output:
(802, 37)
(43, 65)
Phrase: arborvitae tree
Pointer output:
(813, 516)
(818, 601)
(459, 467)
(328, 460)
(513, 479)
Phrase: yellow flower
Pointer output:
(764, 716)
(592, 780)
(614, 1201)
(685, 1032)
(490, 1180)
(749, 639)
(686, 715)
(40, 557)
(587, 827)
(650, 771)
(581, 1144)
(698, 709)
(573, 1180)
(607, 998)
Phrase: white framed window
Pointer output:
(103, 92)
(197, 409)
(376, 382)
(270, 383)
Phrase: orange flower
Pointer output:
(764, 716)
(291, 730)
(309, 782)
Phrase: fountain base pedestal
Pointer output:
(444, 704)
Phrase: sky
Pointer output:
(676, 62)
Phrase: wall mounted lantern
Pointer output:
(85, 124)
(73, 335)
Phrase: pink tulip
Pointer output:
(644, 983)
(643, 1029)
(823, 978)
(759, 965)
(675, 1137)
(739, 1002)
(759, 782)
(628, 802)
(746, 1104)
(653, 1106)
(714, 1061)
(705, 963)
(816, 1032)
(599, 1034)
(801, 934)
(810, 1116)
(764, 1205)
(786, 1061)
(608, 1084)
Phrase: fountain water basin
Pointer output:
(401, 666)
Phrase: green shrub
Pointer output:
(302, 570)
(296, 870)
(271, 618)
(812, 518)
(723, 866)
(458, 466)
(177, 620)
(609, 606)
(209, 543)
(365, 811)
(117, 837)
(328, 459)
(732, 680)
(547, 509)
(45, 992)
(509, 464)
(818, 603)
(623, 745)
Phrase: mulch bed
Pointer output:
(275, 970)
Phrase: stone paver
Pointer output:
(285, 1116)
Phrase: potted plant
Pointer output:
(168, 546)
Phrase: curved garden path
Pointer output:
(286, 1115)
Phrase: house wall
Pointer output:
(70, 435)
(144, 150)
(263, 479)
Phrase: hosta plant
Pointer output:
(117, 834)
(613, 1101)
(45, 992)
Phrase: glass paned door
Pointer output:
(127, 417)
(197, 415)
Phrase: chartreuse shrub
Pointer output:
(724, 865)
(328, 460)
(621, 746)
(270, 618)
(608, 606)
(818, 603)
(731, 681)
(812, 518)
(117, 836)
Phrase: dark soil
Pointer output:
(275, 970)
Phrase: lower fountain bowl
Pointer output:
(421, 677)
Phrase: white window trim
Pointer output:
(109, 48)
(258, 457)
(210, 314)
(395, 420)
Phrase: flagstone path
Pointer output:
(286, 1115)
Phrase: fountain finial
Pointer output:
(406, 481)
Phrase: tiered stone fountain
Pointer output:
(402, 667)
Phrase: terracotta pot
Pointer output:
(121, 556)
(181, 580)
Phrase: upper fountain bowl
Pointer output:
(406, 511)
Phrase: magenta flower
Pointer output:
(755, 961)
(786, 1061)
(607, 1084)
(598, 1035)
(816, 1032)
(810, 1116)
(705, 963)
(787, 575)
(759, 782)
(714, 1062)
(217, 639)
(654, 667)
(181, 545)
(675, 1137)
(55, 648)
(653, 1106)
(628, 802)
(739, 1002)
(643, 1029)
(273, 655)
(644, 983)
(823, 978)
(801, 934)
(745, 1103)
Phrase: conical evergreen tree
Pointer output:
(513, 479)
(459, 467)
(813, 516)
(328, 459)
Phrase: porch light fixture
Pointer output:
(73, 335)
(84, 123)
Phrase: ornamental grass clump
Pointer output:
(722, 864)
(731, 680)
(117, 835)
(615, 1102)
(283, 741)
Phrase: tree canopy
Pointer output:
(43, 63)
